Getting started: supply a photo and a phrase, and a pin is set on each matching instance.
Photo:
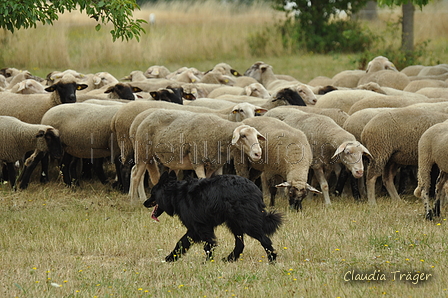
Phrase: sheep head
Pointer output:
(248, 138)
(297, 191)
(350, 154)
(245, 110)
(66, 89)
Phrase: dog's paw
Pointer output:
(171, 258)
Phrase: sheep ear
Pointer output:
(50, 88)
(235, 73)
(136, 89)
(260, 136)
(154, 95)
(339, 150)
(236, 133)
(189, 96)
(364, 149)
(81, 87)
(110, 89)
(284, 184)
(312, 189)
(40, 134)
(260, 110)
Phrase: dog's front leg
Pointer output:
(181, 248)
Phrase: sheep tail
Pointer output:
(272, 222)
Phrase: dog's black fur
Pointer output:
(203, 204)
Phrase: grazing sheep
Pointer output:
(264, 74)
(320, 81)
(414, 86)
(157, 71)
(182, 140)
(254, 90)
(225, 69)
(285, 160)
(432, 148)
(390, 101)
(216, 77)
(412, 70)
(18, 138)
(170, 94)
(116, 91)
(434, 92)
(31, 107)
(343, 99)
(123, 119)
(329, 142)
(28, 86)
(338, 115)
(85, 132)
(286, 96)
(347, 78)
(98, 81)
(392, 138)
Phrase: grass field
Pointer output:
(91, 242)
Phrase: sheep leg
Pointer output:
(342, 179)
(200, 171)
(11, 173)
(27, 171)
(440, 187)
(388, 179)
(370, 185)
(320, 176)
(153, 170)
(136, 178)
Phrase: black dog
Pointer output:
(203, 204)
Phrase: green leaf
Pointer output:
(98, 27)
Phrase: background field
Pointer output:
(91, 242)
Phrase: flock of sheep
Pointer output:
(306, 137)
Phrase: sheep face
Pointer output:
(351, 154)
(245, 110)
(122, 91)
(248, 137)
(49, 141)
(297, 191)
(66, 91)
(290, 96)
(169, 94)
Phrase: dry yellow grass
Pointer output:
(90, 242)
(199, 34)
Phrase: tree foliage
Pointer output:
(317, 27)
(28, 13)
(419, 3)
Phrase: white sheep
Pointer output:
(28, 86)
(254, 90)
(432, 148)
(156, 71)
(31, 107)
(329, 142)
(18, 138)
(434, 92)
(392, 138)
(182, 140)
(347, 78)
(85, 130)
(343, 99)
(338, 115)
(285, 161)
(382, 71)
(416, 85)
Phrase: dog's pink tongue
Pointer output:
(153, 214)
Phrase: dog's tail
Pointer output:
(272, 222)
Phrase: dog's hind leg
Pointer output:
(267, 245)
(181, 248)
(239, 247)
